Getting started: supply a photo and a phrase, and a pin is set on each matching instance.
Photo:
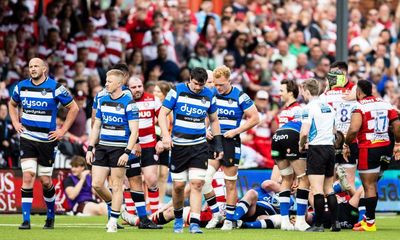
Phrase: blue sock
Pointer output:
(284, 199)
(108, 209)
(49, 196)
(337, 188)
(302, 201)
(140, 204)
(26, 200)
(241, 209)
(114, 214)
(212, 203)
(361, 209)
(230, 210)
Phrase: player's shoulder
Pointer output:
(102, 93)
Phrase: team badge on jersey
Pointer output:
(44, 92)
(230, 101)
(203, 100)
(118, 107)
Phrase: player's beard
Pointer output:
(39, 75)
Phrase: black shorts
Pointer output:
(260, 211)
(232, 151)
(133, 168)
(149, 157)
(44, 152)
(285, 145)
(372, 158)
(163, 158)
(353, 158)
(321, 160)
(347, 215)
(107, 156)
(185, 157)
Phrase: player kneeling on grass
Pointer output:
(116, 125)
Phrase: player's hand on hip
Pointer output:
(230, 134)
(57, 134)
(123, 160)
(137, 150)
(159, 147)
(209, 135)
(167, 142)
(18, 127)
(89, 157)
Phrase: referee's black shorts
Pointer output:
(321, 160)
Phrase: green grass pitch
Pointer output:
(93, 228)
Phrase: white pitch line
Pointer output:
(78, 225)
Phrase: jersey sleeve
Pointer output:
(95, 101)
(213, 106)
(393, 115)
(15, 96)
(62, 95)
(68, 183)
(245, 101)
(132, 111)
(356, 109)
(98, 111)
(170, 99)
(157, 105)
(307, 114)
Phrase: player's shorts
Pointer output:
(353, 158)
(232, 151)
(262, 208)
(374, 158)
(185, 157)
(321, 160)
(149, 157)
(163, 158)
(133, 168)
(347, 215)
(44, 152)
(285, 145)
(107, 156)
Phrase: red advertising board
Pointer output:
(10, 192)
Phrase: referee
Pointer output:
(39, 97)
(318, 129)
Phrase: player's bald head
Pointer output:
(37, 61)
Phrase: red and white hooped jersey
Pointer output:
(292, 112)
(376, 117)
(343, 108)
(148, 106)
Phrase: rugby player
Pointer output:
(232, 105)
(191, 103)
(39, 97)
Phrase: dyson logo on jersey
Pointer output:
(32, 103)
(277, 137)
(226, 112)
(192, 110)
(113, 119)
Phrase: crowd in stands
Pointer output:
(261, 41)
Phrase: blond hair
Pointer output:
(222, 71)
(118, 73)
(311, 85)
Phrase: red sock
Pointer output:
(129, 203)
(153, 199)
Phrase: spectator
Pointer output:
(150, 48)
(53, 49)
(167, 69)
(297, 46)
(7, 139)
(78, 188)
(48, 21)
(315, 55)
(136, 64)
(201, 58)
(289, 60)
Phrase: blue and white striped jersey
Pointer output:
(104, 92)
(190, 110)
(39, 105)
(231, 108)
(115, 115)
